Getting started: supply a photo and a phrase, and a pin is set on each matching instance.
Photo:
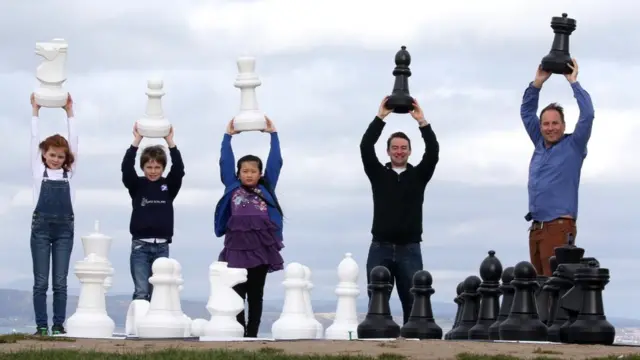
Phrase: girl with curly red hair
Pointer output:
(52, 226)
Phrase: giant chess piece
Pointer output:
(294, 322)
(250, 118)
(378, 324)
(99, 244)
(469, 316)
(51, 73)
(507, 291)
(591, 326)
(460, 303)
(176, 304)
(542, 299)
(153, 124)
(569, 258)
(557, 316)
(308, 305)
(345, 323)
(400, 101)
(224, 303)
(523, 323)
(421, 324)
(490, 272)
(558, 58)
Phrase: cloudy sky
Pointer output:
(325, 66)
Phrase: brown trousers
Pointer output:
(544, 238)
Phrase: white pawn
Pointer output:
(51, 73)
(250, 118)
(309, 306)
(197, 327)
(224, 303)
(345, 324)
(294, 322)
(138, 309)
(153, 124)
(91, 319)
(160, 321)
(176, 305)
(99, 244)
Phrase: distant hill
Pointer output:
(16, 310)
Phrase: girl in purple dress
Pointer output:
(250, 218)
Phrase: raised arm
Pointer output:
(582, 132)
(528, 111)
(36, 155)
(129, 175)
(227, 161)
(274, 162)
(370, 161)
(73, 140)
(176, 173)
(427, 165)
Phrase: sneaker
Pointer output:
(41, 331)
(57, 330)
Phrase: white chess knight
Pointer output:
(51, 73)
(91, 319)
(250, 118)
(161, 320)
(346, 320)
(99, 244)
(307, 300)
(224, 303)
(153, 124)
(294, 322)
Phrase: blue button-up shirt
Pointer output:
(554, 172)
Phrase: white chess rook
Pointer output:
(294, 322)
(51, 73)
(250, 118)
(153, 124)
(309, 306)
(90, 319)
(345, 324)
(224, 303)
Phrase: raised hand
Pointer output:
(541, 77)
(68, 107)
(417, 113)
(34, 106)
(230, 129)
(383, 111)
(137, 138)
(573, 77)
(169, 138)
(270, 127)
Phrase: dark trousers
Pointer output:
(403, 261)
(143, 254)
(253, 291)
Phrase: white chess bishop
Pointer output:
(153, 124)
(250, 118)
(224, 303)
(51, 73)
(345, 324)
(294, 322)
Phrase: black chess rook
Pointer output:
(421, 324)
(523, 323)
(400, 100)
(559, 57)
(458, 300)
(378, 324)
(490, 272)
(469, 315)
(507, 291)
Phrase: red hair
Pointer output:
(58, 141)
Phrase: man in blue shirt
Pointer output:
(554, 171)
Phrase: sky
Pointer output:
(325, 66)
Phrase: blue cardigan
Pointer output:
(231, 182)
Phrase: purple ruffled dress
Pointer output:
(252, 238)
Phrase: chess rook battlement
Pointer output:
(250, 118)
(51, 73)
(154, 124)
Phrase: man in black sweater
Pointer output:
(398, 195)
(152, 196)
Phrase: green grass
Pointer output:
(13, 338)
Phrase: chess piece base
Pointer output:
(90, 325)
(480, 331)
(523, 327)
(153, 128)
(399, 104)
(223, 327)
(252, 120)
(421, 328)
(342, 332)
(557, 63)
(51, 98)
(593, 330)
(461, 332)
(378, 327)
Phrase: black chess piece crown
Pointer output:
(490, 272)
(421, 324)
(558, 58)
(400, 101)
(378, 324)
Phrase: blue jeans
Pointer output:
(143, 254)
(403, 261)
(51, 239)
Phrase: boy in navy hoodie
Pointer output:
(152, 198)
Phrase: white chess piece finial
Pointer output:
(294, 322)
(309, 306)
(153, 124)
(250, 118)
(51, 73)
(345, 324)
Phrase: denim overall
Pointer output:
(52, 232)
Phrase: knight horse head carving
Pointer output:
(51, 73)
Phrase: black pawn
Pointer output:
(507, 291)
(542, 299)
(378, 324)
(592, 326)
(490, 272)
(558, 58)
(421, 324)
(460, 302)
(400, 101)
(523, 322)
(469, 315)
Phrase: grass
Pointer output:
(15, 337)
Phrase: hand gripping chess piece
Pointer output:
(400, 101)
(52, 73)
(558, 58)
(153, 124)
(224, 303)
(345, 324)
(250, 118)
